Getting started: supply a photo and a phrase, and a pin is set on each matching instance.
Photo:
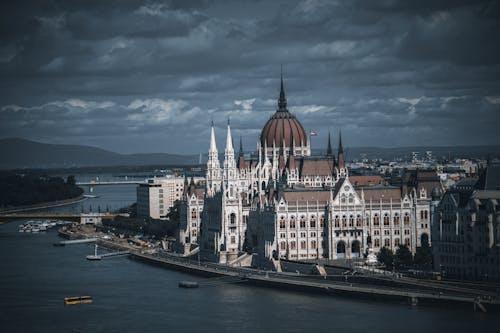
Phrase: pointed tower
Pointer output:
(329, 151)
(213, 166)
(281, 158)
(282, 99)
(192, 187)
(342, 170)
(230, 172)
(341, 152)
(241, 157)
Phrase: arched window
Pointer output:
(407, 242)
(344, 221)
(232, 218)
(293, 245)
(292, 222)
(426, 214)
(351, 220)
(359, 221)
(282, 246)
(313, 222)
(355, 249)
(337, 221)
(302, 221)
(303, 245)
(424, 240)
(282, 223)
(376, 220)
(341, 249)
(396, 219)
(406, 218)
(422, 214)
(194, 214)
(377, 242)
(322, 221)
(396, 242)
(313, 244)
(387, 243)
(386, 219)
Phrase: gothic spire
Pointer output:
(340, 158)
(241, 159)
(282, 100)
(213, 146)
(229, 139)
(329, 151)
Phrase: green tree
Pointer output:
(423, 257)
(386, 257)
(403, 258)
(71, 180)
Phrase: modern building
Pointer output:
(466, 228)
(158, 195)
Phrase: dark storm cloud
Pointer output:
(151, 75)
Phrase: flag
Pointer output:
(312, 133)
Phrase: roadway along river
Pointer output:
(131, 296)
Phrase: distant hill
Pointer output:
(21, 153)
(24, 154)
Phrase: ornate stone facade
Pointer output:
(283, 203)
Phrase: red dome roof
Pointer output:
(283, 126)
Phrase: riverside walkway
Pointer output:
(324, 286)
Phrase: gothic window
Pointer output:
(313, 234)
(313, 222)
(282, 246)
(232, 218)
(292, 222)
(302, 222)
(396, 242)
(406, 218)
(303, 245)
(322, 221)
(344, 221)
(194, 214)
(303, 234)
(313, 245)
(337, 221)
(396, 219)
(359, 221)
(282, 223)
(407, 241)
(426, 214)
(233, 240)
(377, 242)
(293, 246)
(376, 220)
(387, 242)
(351, 220)
(386, 219)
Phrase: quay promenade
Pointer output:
(322, 285)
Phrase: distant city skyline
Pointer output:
(151, 76)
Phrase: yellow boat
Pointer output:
(77, 300)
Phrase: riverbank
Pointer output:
(44, 205)
(395, 290)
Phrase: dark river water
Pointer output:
(130, 296)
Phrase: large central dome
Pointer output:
(283, 126)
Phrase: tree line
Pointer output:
(403, 259)
(33, 188)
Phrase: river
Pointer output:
(132, 296)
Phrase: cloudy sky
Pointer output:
(149, 76)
